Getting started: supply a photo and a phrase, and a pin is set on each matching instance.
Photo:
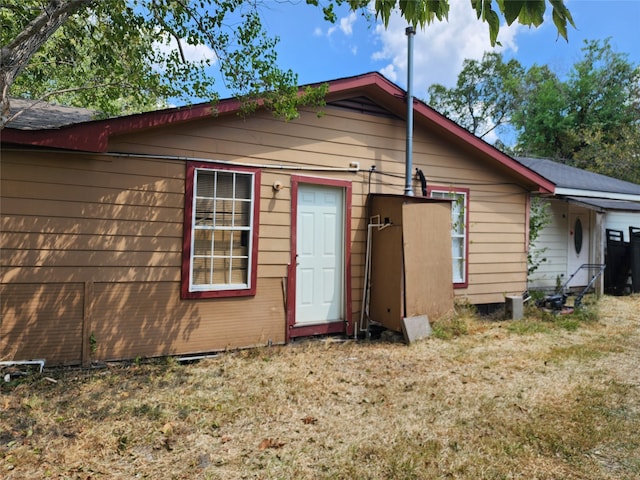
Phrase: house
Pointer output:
(584, 206)
(186, 230)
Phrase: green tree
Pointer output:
(485, 95)
(619, 158)
(92, 63)
(590, 120)
(115, 55)
(595, 111)
(541, 120)
(105, 54)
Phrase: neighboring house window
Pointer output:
(459, 230)
(220, 231)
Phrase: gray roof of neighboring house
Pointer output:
(565, 176)
(606, 204)
(38, 115)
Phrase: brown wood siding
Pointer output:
(67, 220)
(75, 218)
(42, 320)
(149, 319)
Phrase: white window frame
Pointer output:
(248, 232)
(458, 217)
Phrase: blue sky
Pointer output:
(318, 51)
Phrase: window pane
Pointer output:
(243, 186)
(458, 232)
(456, 205)
(224, 185)
(458, 270)
(224, 213)
(201, 271)
(204, 211)
(202, 242)
(221, 271)
(242, 217)
(457, 250)
(457, 215)
(240, 247)
(221, 243)
(239, 270)
(204, 186)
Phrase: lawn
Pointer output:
(542, 398)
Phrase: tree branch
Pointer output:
(16, 54)
(44, 97)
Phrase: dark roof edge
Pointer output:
(93, 136)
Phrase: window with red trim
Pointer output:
(220, 231)
(459, 230)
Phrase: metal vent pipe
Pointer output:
(408, 188)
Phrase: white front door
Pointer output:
(578, 248)
(320, 255)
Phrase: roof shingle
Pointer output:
(565, 176)
(39, 115)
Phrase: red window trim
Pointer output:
(185, 292)
(465, 191)
(527, 220)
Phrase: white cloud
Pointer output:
(346, 23)
(439, 48)
(192, 53)
(345, 26)
(390, 72)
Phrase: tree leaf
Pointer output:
(126, 56)
(511, 9)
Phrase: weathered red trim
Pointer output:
(186, 230)
(86, 137)
(320, 329)
(527, 220)
(186, 239)
(466, 191)
(455, 130)
(345, 326)
(291, 271)
(347, 254)
(94, 136)
(143, 121)
(443, 123)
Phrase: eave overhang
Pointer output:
(573, 192)
(94, 136)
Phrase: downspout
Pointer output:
(408, 189)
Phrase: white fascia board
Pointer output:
(574, 192)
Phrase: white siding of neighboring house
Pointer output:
(622, 221)
(555, 238)
(553, 244)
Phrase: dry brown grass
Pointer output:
(537, 399)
